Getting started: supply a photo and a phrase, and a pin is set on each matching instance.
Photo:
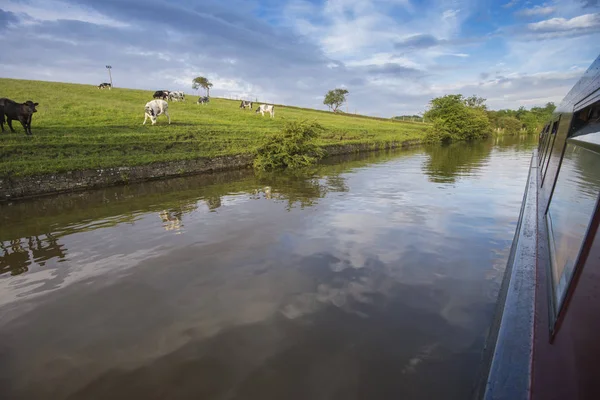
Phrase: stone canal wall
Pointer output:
(28, 186)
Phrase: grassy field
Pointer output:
(80, 127)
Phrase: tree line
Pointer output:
(456, 117)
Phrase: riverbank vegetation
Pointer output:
(79, 127)
(457, 118)
(293, 147)
(516, 122)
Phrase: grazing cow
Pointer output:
(203, 100)
(20, 111)
(266, 108)
(161, 94)
(246, 104)
(104, 85)
(177, 96)
(155, 108)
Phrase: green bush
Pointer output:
(293, 147)
(510, 125)
(454, 120)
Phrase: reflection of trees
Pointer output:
(300, 187)
(517, 143)
(17, 254)
(336, 183)
(446, 162)
(294, 187)
(585, 169)
(213, 202)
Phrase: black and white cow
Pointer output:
(266, 108)
(246, 104)
(105, 85)
(177, 96)
(161, 94)
(20, 111)
(155, 108)
(203, 100)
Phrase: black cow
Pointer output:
(246, 104)
(203, 100)
(104, 85)
(161, 94)
(21, 111)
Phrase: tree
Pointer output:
(335, 98)
(475, 102)
(456, 118)
(510, 125)
(531, 123)
(202, 82)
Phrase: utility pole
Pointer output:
(108, 67)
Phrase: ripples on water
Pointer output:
(372, 277)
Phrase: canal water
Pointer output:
(369, 277)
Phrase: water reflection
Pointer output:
(570, 211)
(172, 199)
(17, 255)
(356, 279)
(447, 162)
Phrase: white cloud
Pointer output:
(382, 59)
(51, 10)
(511, 3)
(562, 24)
(448, 14)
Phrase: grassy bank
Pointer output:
(80, 127)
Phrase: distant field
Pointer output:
(80, 127)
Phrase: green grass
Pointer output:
(80, 127)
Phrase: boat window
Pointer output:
(555, 126)
(549, 142)
(543, 134)
(543, 144)
(573, 202)
(551, 145)
(586, 121)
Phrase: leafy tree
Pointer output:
(531, 120)
(510, 125)
(456, 118)
(335, 98)
(475, 102)
(202, 82)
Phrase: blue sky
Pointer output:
(392, 55)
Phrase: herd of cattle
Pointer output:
(11, 110)
(159, 105)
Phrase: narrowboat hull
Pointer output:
(544, 343)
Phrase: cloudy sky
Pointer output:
(392, 55)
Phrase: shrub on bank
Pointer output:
(456, 118)
(293, 147)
